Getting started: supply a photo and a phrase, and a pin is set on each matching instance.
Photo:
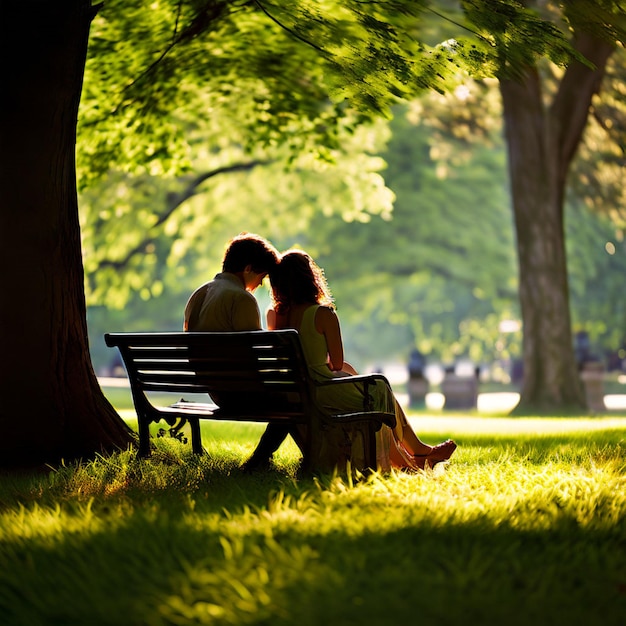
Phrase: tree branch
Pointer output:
(174, 201)
(572, 103)
(292, 32)
(211, 12)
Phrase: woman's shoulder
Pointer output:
(325, 310)
(324, 315)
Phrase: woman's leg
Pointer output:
(405, 434)
(408, 451)
(405, 450)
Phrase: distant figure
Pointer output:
(582, 348)
(417, 385)
(417, 364)
(116, 367)
(517, 371)
(302, 301)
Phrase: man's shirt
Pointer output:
(222, 304)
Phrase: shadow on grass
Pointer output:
(178, 567)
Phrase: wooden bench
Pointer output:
(261, 376)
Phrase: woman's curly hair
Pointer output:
(297, 279)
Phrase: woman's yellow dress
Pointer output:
(390, 451)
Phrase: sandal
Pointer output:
(440, 453)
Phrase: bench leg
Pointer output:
(370, 460)
(196, 437)
(144, 437)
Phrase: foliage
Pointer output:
(598, 171)
(185, 86)
(470, 116)
(522, 526)
(255, 74)
(424, 270)
(440, 274)
(406, 278)
(520, 35)
(597, 264)
(138, 238)
(223, 117)
(239, 74)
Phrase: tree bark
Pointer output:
(542, 142)
(51, 406)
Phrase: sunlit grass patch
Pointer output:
(526, 524)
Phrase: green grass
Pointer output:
(527, 525)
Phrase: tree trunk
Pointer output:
(51, 406)
(541, 145)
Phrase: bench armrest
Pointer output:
(365, 379)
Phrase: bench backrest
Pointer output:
(267, 364)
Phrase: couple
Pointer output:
(300, 300)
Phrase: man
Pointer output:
(226, 303)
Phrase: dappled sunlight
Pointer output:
(499, 402)
(44, 523)
(472, 424)
(615, 402)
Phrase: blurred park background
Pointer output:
(412, 224)
(409, 214)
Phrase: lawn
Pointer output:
(527, 525)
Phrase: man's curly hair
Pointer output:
(249, 249)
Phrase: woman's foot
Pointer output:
(439, 453)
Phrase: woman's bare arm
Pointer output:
(348, 369)
(327, 323)
(271, 319)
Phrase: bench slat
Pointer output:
(209, 354)
(218, 373)
(226, 370)
(227, 386)
(231, 340)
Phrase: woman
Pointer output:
(301, 300)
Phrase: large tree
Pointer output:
(51, 404)
(543, 131)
